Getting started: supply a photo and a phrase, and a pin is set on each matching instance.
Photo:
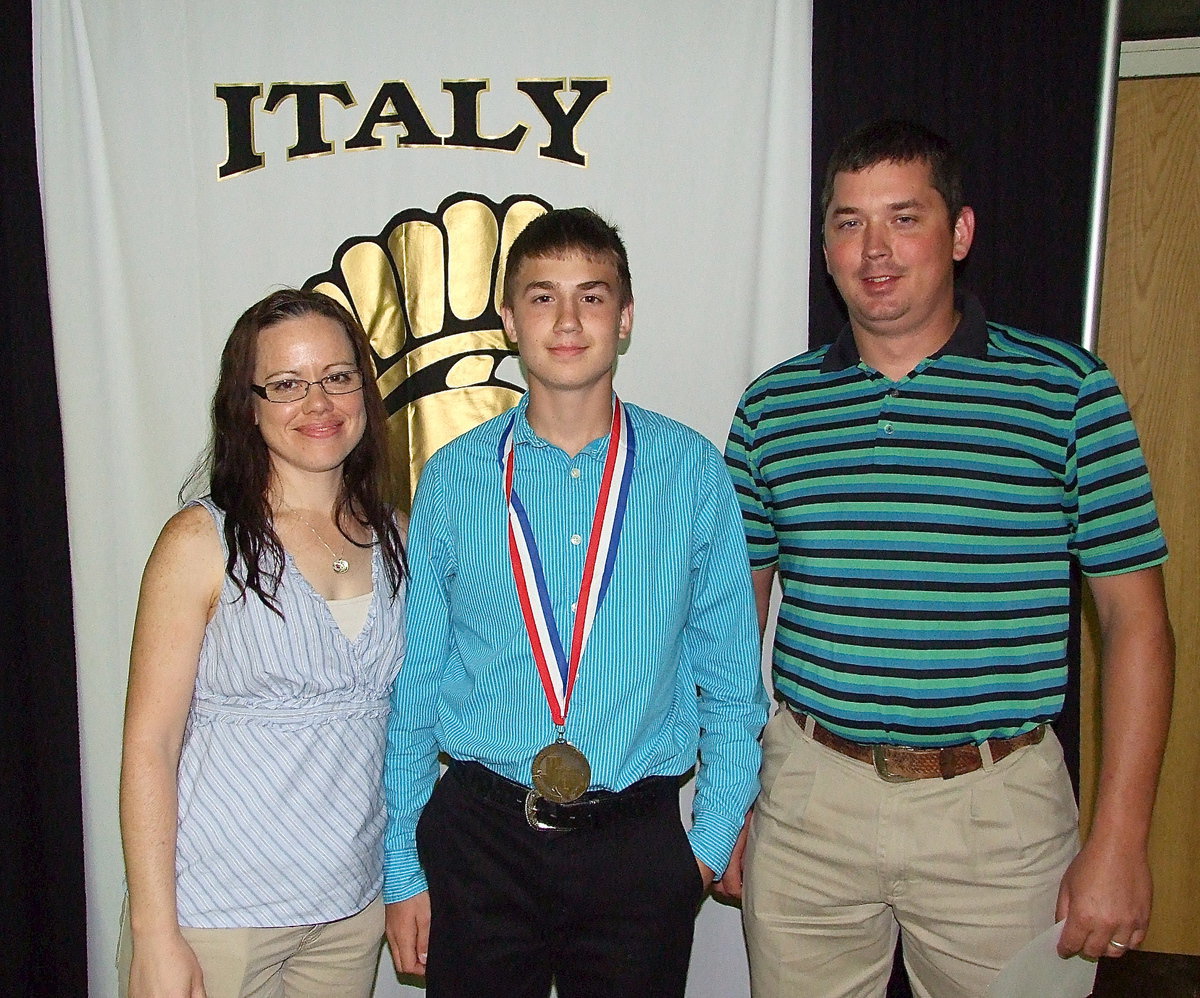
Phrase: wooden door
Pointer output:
(1150, 337)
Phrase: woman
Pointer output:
(268, 634)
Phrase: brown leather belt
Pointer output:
(901, 764)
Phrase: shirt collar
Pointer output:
(969, 339)
(523, 433)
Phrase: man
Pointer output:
(920, 487)
(581, 621)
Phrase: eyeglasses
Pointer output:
(294, 389)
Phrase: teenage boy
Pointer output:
(580, 623)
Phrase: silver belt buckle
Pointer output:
(881, 767)
(531, 814)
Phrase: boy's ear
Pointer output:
(506, 316)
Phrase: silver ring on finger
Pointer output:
(1116, 945)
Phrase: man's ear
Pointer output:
(964, 232)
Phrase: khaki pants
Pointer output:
(839, 861)
(328, 960)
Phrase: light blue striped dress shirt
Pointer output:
(281, 812)
(672, 664)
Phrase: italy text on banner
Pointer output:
(197, 155)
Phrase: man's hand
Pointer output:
(407, 926)
(729, 887)
(706, 874)
(1105, 898)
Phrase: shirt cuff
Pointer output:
(712, 839)
(403, 877)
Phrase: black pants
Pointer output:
(602, 912)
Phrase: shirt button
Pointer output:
(575, 472)
(887, 428)
(894, 392)
(574, 607)
(576, 539)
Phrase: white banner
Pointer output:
(196, 155)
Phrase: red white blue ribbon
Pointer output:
(556, 668)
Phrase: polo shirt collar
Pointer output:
(969, 339)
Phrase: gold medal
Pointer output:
(561, 772)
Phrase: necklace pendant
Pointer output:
(341, 566)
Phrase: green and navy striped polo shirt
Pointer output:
(923, 528)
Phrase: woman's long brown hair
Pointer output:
(237, 464)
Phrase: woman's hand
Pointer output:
(165, 967)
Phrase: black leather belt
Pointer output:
(593, 809)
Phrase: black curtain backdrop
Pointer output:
(1014, 86)
(43, 948)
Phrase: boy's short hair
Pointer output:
(566, 230)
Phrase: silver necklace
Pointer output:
(340, 564)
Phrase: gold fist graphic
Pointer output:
(427, 290)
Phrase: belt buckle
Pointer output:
(531, 815)
(881, 766)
